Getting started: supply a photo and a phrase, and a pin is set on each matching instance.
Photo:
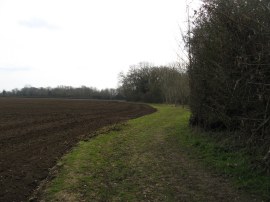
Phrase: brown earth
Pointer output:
(35, 133)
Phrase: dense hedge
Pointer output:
(229, 68)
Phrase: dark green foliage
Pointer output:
(230, 68)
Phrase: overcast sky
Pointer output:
(84, 42)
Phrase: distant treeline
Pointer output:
(142, 83)
(156, 84)
(229, 69)
(65, 92)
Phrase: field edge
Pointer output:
(54, 171)
(190, 146)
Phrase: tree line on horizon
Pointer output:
(82, 92)
(156, 84)
(143, 82)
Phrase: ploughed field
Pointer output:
(35, 133)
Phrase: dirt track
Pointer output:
(34, 133)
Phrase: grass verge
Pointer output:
(138, 162)
(216, 153)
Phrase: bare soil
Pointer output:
(35, 133)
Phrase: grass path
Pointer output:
(143, 161)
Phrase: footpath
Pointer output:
(141, 160)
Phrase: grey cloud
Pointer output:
(14, 68)
(37, 23)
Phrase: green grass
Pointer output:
(234, 164)
(137, 162)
